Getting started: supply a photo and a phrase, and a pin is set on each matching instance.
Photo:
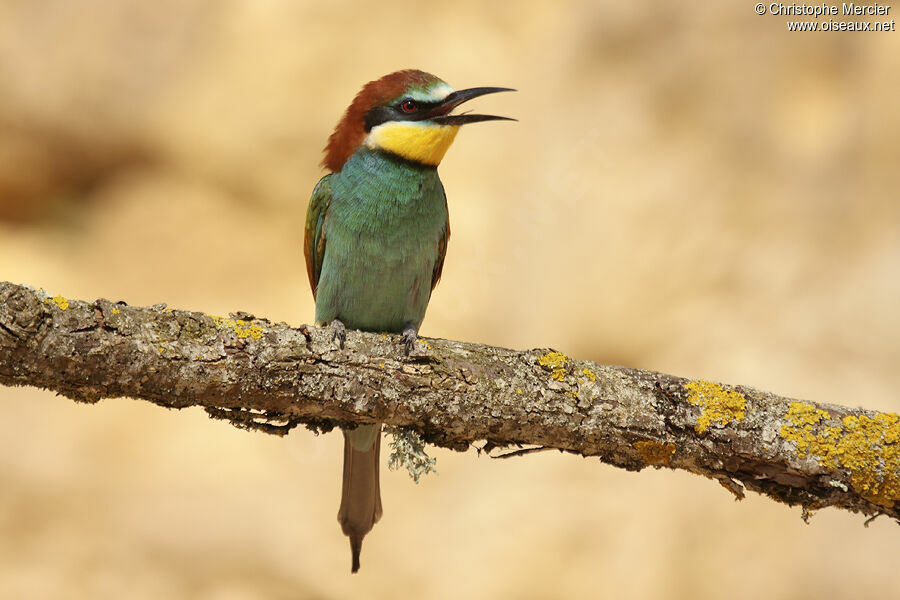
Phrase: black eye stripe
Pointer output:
(420, 104)
(393, 112)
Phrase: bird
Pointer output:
(376, 234)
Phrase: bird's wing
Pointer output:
(314, 241)
(442, 252)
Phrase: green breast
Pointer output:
(383, 226)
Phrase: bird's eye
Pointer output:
(408, 106)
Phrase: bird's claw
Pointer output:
(408, 337)
(338, 332)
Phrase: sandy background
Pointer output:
(690, 188)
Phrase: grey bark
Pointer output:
(272, 377)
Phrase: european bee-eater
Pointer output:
(376, 235)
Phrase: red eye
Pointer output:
(408, 106)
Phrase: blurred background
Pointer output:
(690, 189)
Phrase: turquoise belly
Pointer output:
(383, 227)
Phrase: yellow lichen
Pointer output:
(59, 301)
(870, 450)
(245, 329)
(116, 311)
(519, 391)
(242, 329)
(869, 447)
(655, 453)
(590, 374)
(803, 418)
(717, 405)
(556, 362)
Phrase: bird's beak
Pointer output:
(440, 113)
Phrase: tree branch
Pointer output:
(269, 376)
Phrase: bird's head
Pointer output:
(406, 113)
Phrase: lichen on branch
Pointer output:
(272, 377)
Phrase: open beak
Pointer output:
(440, 113)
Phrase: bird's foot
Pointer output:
(338, 332)
(408, 336)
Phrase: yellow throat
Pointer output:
(419, 141)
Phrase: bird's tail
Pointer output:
(360, 492)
